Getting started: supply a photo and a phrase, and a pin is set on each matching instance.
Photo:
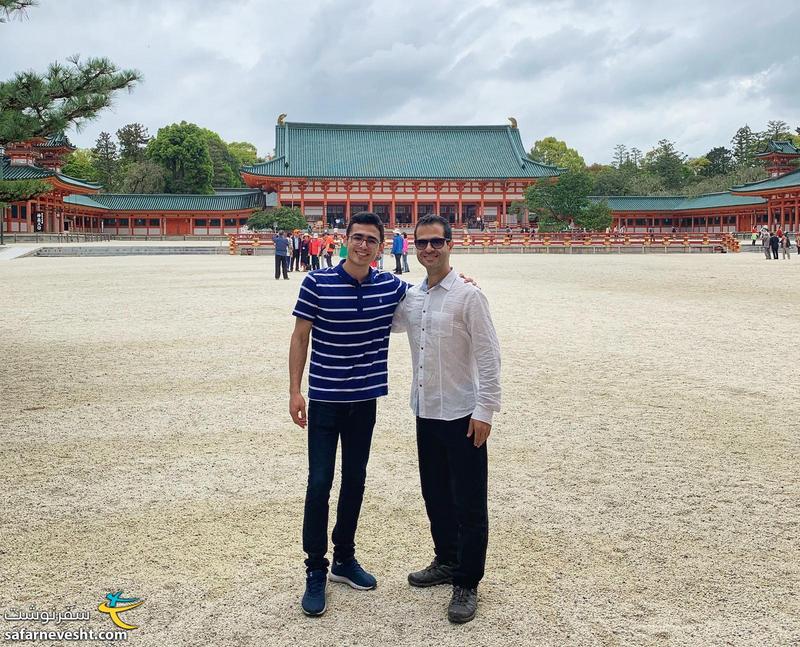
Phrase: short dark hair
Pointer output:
(365, 218)
(435, 219)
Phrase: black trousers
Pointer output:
(774, 251)
(281, 263)
(454, 474)
(398, 263)
(295, 260)
(353, 422)
(314, 262)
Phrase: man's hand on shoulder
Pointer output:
(479, 431)
(468, 279)
(297, 409)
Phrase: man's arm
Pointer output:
(486, 350)
(298, 352)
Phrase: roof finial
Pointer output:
(513, 122)
(281, 118)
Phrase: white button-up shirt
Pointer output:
(454, 348)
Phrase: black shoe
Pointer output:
(314, 600)
(463, 604)
(434, 574)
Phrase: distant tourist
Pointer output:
(765, 243)
(281, 255)
(405, 252)
(786, 246)
(754, 236)
(328, 248)
(305, 248)
(774, 243)
(397, 251)
(342, 249)
(315, 250)
(295, 262)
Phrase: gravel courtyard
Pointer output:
(644, 481)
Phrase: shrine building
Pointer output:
(468, 174)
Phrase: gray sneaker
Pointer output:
(463, 604)
(432, 575)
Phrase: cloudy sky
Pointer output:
(592, 72)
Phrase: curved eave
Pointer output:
(275, 179)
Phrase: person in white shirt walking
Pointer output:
(456, 389)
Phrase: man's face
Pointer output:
(431, 258)
(363, 244)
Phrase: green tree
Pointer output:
(776, 131)
(720, 162)
(80, 163)
(132, 140)
(182, 150)
(244, 153)
(744, 146)
(21, 190)
(556, 202)
(226, 168)
(39, 105)
(666, 163)
(595, 217)
(609, 180)
(13, 8)
(556, 153)
(621, 155)
(143, 177)
(106, 161)
(279, 219)
(67, 95)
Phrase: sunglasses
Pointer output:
(436, 243)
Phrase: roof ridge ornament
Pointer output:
(282, 119)
(513, 122)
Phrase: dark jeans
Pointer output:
(295, 263)
(328, 260)
(398, 263)
(327, 422)
(314, 262)
(454, 474)
(281, 263)
(774, 251)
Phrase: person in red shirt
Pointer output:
(314, 249)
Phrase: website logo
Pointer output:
(115, 605)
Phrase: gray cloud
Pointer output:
(594, 73)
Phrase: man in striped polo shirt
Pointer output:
(349, 308)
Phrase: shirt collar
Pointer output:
(346, 277)
(446, 282)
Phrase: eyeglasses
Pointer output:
(357, 239)
(436, 243)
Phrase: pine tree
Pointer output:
(133, 139)
(106, 161)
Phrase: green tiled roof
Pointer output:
(676, 202)
(783, 147)
(55, 141)
(784, 181)
(401, 152)
(171, 201)
(83, 201)
(29, 172)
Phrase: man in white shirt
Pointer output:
(456, 389)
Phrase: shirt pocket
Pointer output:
(442, 324)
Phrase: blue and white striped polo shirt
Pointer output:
(352, 322)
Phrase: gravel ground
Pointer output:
(644, 484)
